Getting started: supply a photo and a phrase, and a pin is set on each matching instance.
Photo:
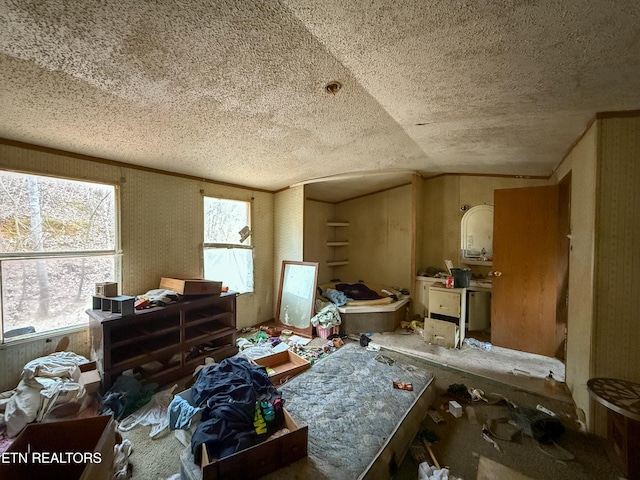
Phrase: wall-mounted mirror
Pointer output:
(476, 233)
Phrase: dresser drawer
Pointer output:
(444, 302)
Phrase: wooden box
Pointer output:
(191, 286)
(285, 365)
(261, 459)
(83, 449)
(106, 289)
(441, 332)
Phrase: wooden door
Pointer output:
(525, 263)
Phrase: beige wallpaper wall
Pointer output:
(288, 233)
(161, 224)
(380, 240)
(617, 286)
(316, 235)
(441, 222)
(583, 162)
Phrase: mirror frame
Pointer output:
(298, 285)
(473, 214)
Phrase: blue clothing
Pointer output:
(336, 296)
(181, 413)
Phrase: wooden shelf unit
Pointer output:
(175, 338)
(337, 244)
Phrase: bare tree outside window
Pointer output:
(57, 239)
(227, 257)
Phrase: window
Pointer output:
(57, 239)
(228, 255)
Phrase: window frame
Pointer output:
(116, 253)
(230, 246)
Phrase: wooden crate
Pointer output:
(89, 440)
(285, 364)
(261, 459)
(191, 286)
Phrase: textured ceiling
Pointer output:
(234, 90)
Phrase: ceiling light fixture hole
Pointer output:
(333, 87)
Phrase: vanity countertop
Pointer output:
(482, 283)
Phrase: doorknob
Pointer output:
(497, 273)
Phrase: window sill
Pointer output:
(48, 335)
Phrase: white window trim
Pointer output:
(116, 252)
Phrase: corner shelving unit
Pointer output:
(337, 245)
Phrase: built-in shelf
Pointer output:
(337, 263)
(337, 243)
(470, 261)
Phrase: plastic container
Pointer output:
(325, 332)
(461, 277)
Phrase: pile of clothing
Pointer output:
(239, 406)
(45, 382)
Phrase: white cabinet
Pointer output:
(450, 305)
(421, 297)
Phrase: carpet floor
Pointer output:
(461, 443)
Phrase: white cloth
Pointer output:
(44, 381)
(327, 314)
(427, 472)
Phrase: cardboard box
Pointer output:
(90, 380)
(261, 459)
(441, 332)
(284, 365)
(106, 289)
(455, 409)
(191, 286)
(72, 449)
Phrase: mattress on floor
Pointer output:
(360, 426)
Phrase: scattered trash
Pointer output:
(505, 399)
(154, 413)
(555, 451)
(435, 416)
(485, 435)
(298, 340)
(471, 415)
(460, 391)
(373, 347)
(384, 359)
(540, 426)
(477, 394)
(364, 340)
(403, 386)
(504, 429)
(542, 409)
(418, 453)
(427, 472)
(429, 437)
(455, 409)
(475, 343)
